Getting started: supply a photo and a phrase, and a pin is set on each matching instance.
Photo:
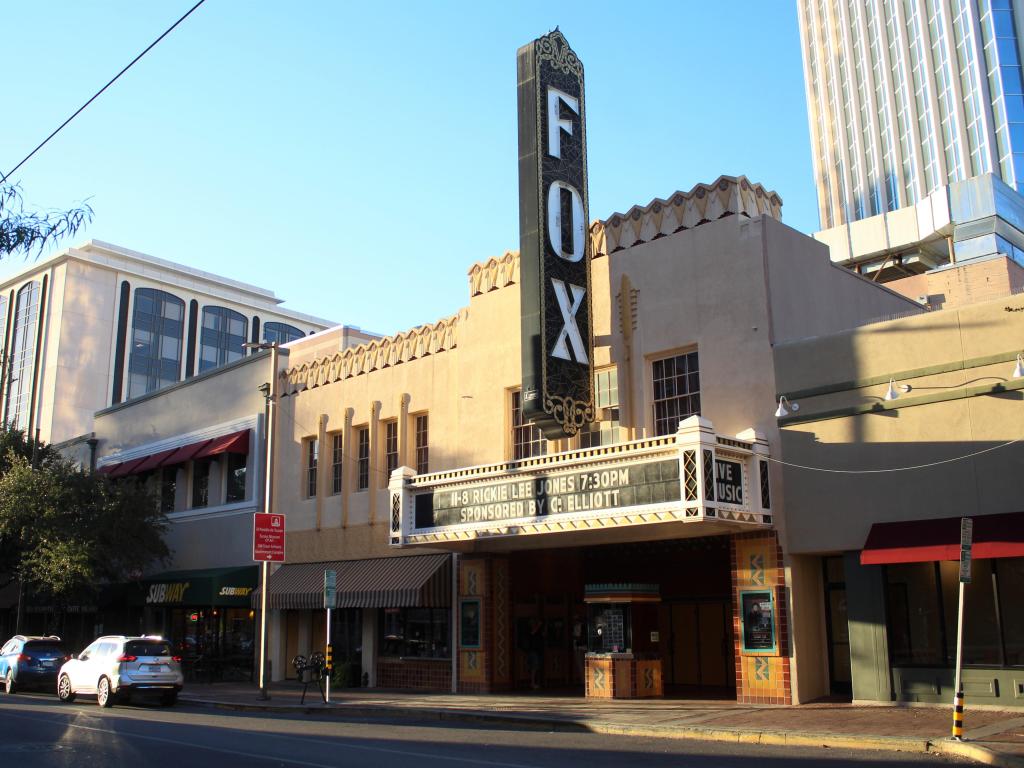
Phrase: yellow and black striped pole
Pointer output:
(329, 658)
(958, 716)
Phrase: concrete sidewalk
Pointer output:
(993, 737)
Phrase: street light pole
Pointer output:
(269, 419)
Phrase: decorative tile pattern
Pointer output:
(501, 655)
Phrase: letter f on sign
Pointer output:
(570, 331)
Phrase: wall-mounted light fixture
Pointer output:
(782, 410)
(893, 393)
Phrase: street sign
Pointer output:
(965, 565)
(966, 537)
(330, 589)
(268, 538)
(966, 532)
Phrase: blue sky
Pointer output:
(357, 158)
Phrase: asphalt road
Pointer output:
(37, 731)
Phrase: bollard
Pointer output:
(958, 716)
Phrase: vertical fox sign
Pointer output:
(554, 239)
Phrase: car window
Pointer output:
(8, 648)
(92, 649)
(148, 648)
(43, 649)
(106, 649)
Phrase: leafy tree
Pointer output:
(24, 231)
(68, 531)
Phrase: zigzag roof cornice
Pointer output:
(375, 355)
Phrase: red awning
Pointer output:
(922, 541)
(186, 453)
(106, 469)
(127, 467)
(236, 442)
(154, 461)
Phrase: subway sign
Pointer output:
(554, 242)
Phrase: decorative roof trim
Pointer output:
(727, 196)
(375, 355)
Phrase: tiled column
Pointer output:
(483, 586)
(762, 675)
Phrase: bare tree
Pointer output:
(24, 231)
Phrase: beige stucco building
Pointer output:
(98, 324)
(689, 296)
(874, 523)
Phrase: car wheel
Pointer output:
(64, 690)
(104, 696)
(168, 699)
(9, 685)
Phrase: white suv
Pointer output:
(116, 666)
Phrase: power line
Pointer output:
(893, 469)
(100, 91)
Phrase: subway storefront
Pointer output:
(206, 614)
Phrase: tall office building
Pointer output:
(915, 105)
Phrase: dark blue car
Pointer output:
(28, 661)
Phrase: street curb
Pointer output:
(967, 750)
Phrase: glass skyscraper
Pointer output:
(908, 96)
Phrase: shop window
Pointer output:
(280, 333)
(312, 453)
(236, 477)
(390, 448)
(915, 615)
(1010, 580)
(422, 444)
(222, 337)
(201, 483)
(363, 458)
(676, 391)
(604, 431)
(922, 613)
(423, 633)
(336, 463)
(158, 326)
(168, 488)
(527, 439)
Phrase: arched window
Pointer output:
(222, 338)
(282, 333)
(158, 326)
(22, 355)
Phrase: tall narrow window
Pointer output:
(422, 444)
(676, 391)
(282, 333)
(363, 458)
(201, 482)
(390, 448)
(336, 463)
(527, 439)
(236, 477)
(605, 431)
(158, 326)
(312, 452)
(222, 337)
(23, 355)
(168, 488)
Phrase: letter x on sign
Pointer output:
(570, 331)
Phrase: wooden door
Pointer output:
(291, 642)
(714, 661)
(685, 649)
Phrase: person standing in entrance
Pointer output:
(535, 652)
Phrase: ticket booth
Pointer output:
(623, 660)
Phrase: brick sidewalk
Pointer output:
(998, 734)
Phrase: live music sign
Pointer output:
(268, 537)
(554, 239)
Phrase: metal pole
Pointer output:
(330, 659)
(958, 698)
(268, 490)
(455, 623)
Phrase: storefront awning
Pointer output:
(126, 467)
(414, 581)
(154, 461)
(921, 541)
(236, 442)
(186, 453)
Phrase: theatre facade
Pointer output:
(645, 555)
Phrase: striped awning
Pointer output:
(412, 581)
